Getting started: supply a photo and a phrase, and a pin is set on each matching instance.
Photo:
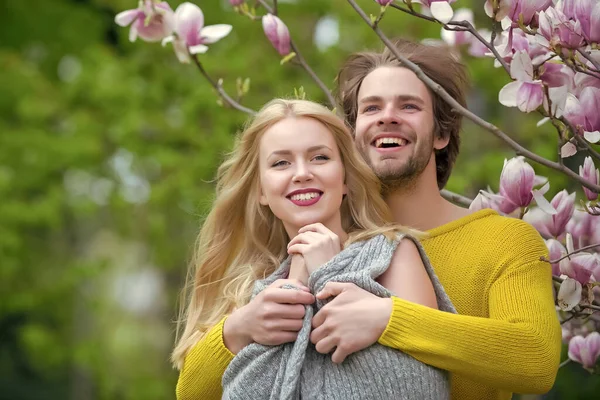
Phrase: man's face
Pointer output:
(394, 125)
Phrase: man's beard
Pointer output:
(401, 177)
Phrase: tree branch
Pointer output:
(570, 254)
(220, 89)
(588, 57)
(435, 87)
(456, 198)
(466, 25)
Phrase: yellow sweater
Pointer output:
(505, 338)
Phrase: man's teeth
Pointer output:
(390, 140)
(305, 196)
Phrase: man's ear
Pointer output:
(440, 142)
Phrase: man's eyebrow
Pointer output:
(400, 98)
(309, 150)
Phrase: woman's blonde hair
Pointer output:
(242, 241)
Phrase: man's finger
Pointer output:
(332, 289)
(339, 355)
(318, 333)
(326, 345)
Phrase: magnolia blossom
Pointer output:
(191, 36)
(277, 33)
(555, 224)
(585, 351)
(582, 112)
(150, 21)
(516, 187)
(525, 10)
(440, 9)
(384, 2)
(590, 174)
(585, 229)
(579, 266)
(587, 13)
(236, 3)
(525, 92)
(503, 7)
(559, 30)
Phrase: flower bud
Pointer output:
(564, 204)
(236, 3)
(384, 2)
(590, 174)
(277, 33)
(516, 181)
(585, 351)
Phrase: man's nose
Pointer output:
(388, 116)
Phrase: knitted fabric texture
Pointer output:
(296, 370)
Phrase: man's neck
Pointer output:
(421, 206)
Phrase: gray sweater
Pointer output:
(297, 371)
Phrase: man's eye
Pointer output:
(370, 108)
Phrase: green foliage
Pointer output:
(107, 153)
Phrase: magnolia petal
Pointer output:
(212, 33)
(506, 22)
(448, 36)
(441, 11)
(569, 294)
(508, 94)
(133, 33)
(542, 203)
(592, 137)
(189, 20)
(181, 51)
(568, 150)
(198, 49)
(521, 67)
(126, 17)
(530, 96)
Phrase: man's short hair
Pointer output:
(440, 64)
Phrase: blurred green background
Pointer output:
(107, 152)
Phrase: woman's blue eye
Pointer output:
(321, 157)
(279, 163)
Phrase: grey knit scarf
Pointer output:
(297, 371)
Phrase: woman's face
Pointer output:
(301, 174)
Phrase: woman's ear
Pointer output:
(262, 199)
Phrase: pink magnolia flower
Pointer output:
(564, 204)
(585, 229)
(525, 92)
(525, 10)
(151, 21)
(587, 13)
(504, 7)
(585, 351)
(569, 294)
(384, 2)
(516, 187)
(559, 30)
(191, 36)
(582, 112)
(579, 266)
(277, 33)
(591, 174)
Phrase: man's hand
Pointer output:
(352, 321)
(272, 318)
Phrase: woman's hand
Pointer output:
(316, 244)
(272, 318)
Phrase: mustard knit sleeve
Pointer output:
(516, 349)
(204, 366)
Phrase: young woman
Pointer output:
(297, 208)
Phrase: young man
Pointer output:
(506, 336)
